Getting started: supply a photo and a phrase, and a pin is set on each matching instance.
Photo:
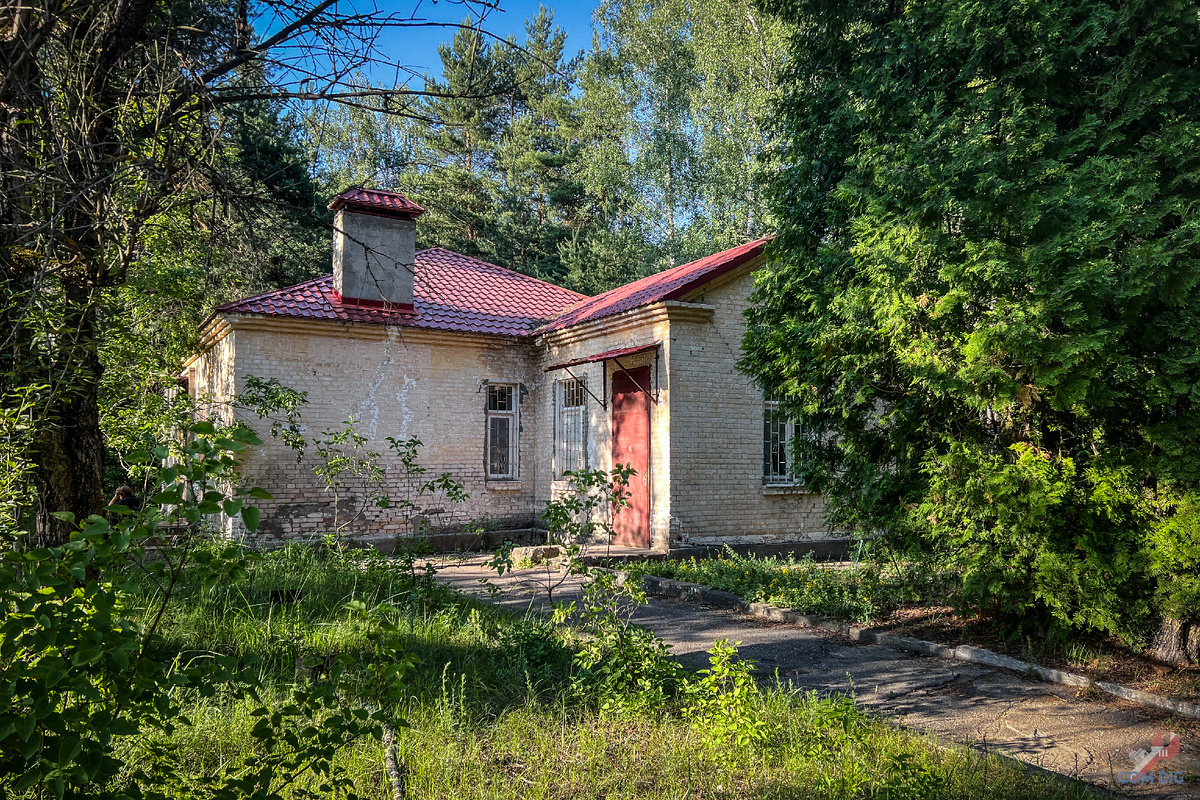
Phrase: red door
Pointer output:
(631, 445)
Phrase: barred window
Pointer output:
(571, 439)
(778, 432)
(502, 431)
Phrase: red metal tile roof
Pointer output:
(669, 284)
(377, 200)
(454, 292)
(451, 292)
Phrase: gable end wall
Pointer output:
(717, 494)
(395, 382)
(631, 329)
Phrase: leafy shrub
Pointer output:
(724, 701)
(860, 593)
(1173, 552)
(576, 519)
(910, 777)
(1039, 542)
(622, 666)
(80, 673)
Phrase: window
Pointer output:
(571, 440)
(778, 432)
(502, 432)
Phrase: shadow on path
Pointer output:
(1039, 723)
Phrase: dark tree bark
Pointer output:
(1177, 642)
(107, 120)
(59, 247)
(69, 448)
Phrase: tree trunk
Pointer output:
(69, 447)
(1177, 642)
(390, 766)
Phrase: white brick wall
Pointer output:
(396, 382)
(705, 429)
(716, 434)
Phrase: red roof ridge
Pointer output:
(477, 260)
(452, 291)
(508, 270)
(670, 284)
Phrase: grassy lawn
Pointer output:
(503, 706)
(862, 592)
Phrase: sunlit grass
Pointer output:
(491, 712)
(860, 592)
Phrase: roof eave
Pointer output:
(678, 293)
(716, 273)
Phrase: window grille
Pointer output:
(502, 432)
(572, 427)
(778, 432)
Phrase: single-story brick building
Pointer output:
(510, 382)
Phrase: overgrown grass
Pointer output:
(860, 592)
(293, 609)
(495, 707)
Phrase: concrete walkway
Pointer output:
(1039, 723)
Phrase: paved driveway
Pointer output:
(1040, 723)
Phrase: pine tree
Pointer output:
(540, 198)
(455, 174)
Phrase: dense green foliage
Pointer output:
(254, 223)
(140, 665)
(860, 593)
(687, 88)
(148, 175)
(589, 170)
(985, 305)
(84, 669)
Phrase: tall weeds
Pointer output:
(498, 705)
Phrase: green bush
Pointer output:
(860, 593)
(1040, 542)
(84, 669)
(723, 700)
(1173, 552)
(619, 665)
(982, 302)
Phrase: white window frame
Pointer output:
(510, 458)
(570, 443)
(779, 431)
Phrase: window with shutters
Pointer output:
(502, 429)
(571, 438)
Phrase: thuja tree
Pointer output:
(984, 305)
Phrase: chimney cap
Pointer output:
(377, 201)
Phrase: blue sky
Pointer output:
(416, 48)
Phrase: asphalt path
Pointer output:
(1044, 724)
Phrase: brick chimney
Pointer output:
(374, 248)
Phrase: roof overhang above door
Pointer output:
(605, 356)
